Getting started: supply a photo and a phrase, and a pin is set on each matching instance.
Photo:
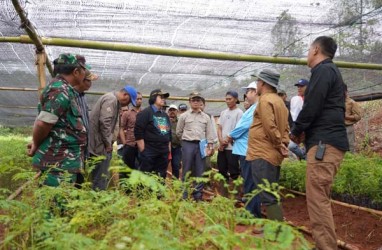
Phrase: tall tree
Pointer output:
(356, 33)
(285, 35)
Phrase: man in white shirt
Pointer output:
(296, 104)
(228, 164)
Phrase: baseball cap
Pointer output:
(302, 82)
(182, 106)
(172, 106)
(195, 94)
(91, 76)
(132, 93)
(281, 92)
(159, 92)
(71, 59)
(252, 85)
(234, 94)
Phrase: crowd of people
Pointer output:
(315, 126)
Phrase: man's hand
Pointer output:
(109, 149)
(295, 139)
(284, 150)
(31, 149)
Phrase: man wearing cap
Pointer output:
(228, 164)
(322, 120)
(176, 147)
(59, 132)
(284, 97)
(240, 136)
(268, 139)
(182, 108)
(103, 119)
(194, 126)
(296, 104)
(81, 100)
(126, 135)
(153, 135)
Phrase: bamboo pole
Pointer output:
(22, 187)
(112, 46)
(33, 36)
(365, 209)
(17, 107)
(177, 98)
(41, 62)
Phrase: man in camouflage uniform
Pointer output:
(59, 134)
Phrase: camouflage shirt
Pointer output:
(65, 144)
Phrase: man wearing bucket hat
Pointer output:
(103, 120)
(268, 139)
(153, 135)
(59, 132)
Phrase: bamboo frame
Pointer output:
(365, 209)
(112, 46)
(33, 36)
(176, 98)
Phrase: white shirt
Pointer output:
(295, 106)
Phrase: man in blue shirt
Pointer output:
(240, 136)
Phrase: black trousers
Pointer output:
(228, 164)
(154, 162)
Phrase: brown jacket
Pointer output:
(269, 130)
(103, 119)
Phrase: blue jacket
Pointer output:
(240, 133)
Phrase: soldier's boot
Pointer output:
(274, 212)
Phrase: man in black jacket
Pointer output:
(322, 121)
(153, 135)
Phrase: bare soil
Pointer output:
(354, 227)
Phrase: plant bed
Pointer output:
(362, 201)
(52, 218)
(359, 177)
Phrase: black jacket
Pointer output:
(322, 117)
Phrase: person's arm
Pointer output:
(141, 145)
(268, 121)
(314, 100)
(140, 128)
(180, 126)
(122, 127)
(107, 113)
(54, 103)
(243, 125)
(355, 112)
(41, 130)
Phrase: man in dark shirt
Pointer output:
(322, 121)
(153, 135)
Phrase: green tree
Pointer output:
(285, 35)
(356, 34)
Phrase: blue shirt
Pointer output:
(240, 133)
